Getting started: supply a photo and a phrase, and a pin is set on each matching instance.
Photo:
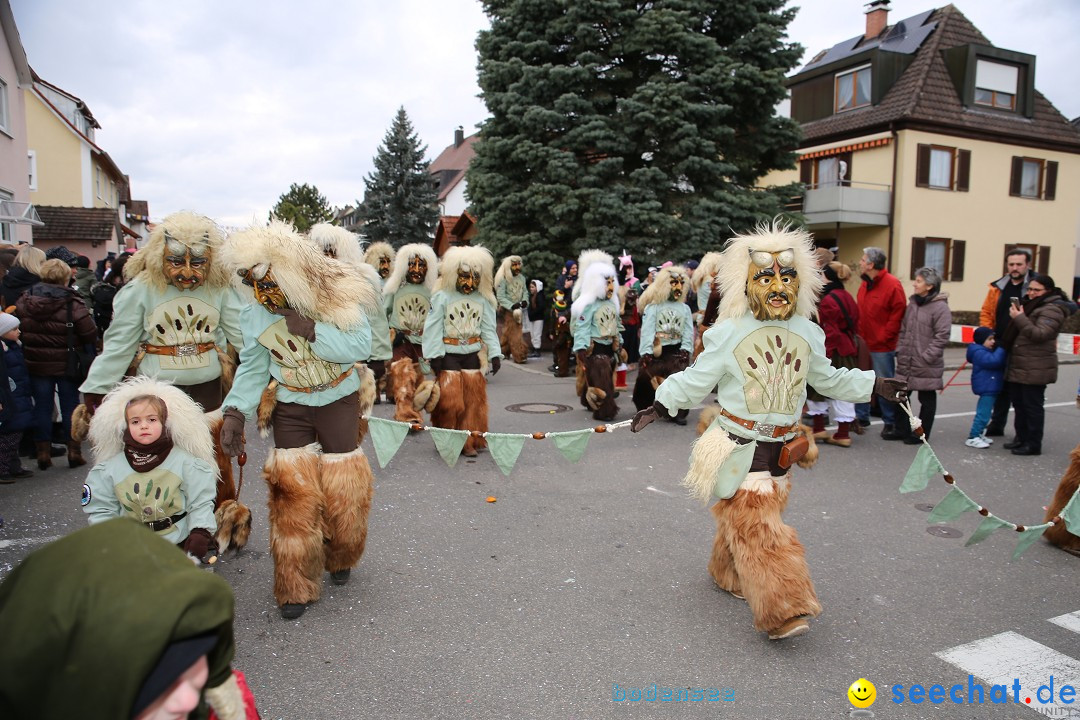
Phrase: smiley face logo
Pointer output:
(862, 693)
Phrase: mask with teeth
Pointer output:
(772, 285)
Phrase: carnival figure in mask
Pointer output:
(305, 328)
(408, 295)
(759, 356)
(596, 329)
(667, 335)
(173, 320)
(460, 322)
(513, 298)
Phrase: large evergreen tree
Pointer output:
(400, 199)
(629, 124)
(303, 206)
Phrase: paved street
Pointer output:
(591, 575)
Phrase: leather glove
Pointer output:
(232, 432)
(436, 364)
(92, 400)
(200, 542)
(580, 355)
(646, 416)
(496, 365)
(297, 324)
(524, 304)
(644, 361)
(891, 389)
(684, 356)
(378, 367)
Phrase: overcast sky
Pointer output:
(218, 106)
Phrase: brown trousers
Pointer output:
(333, 426)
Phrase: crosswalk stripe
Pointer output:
(1069, 622)
(999, 659)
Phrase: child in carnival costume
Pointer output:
(513, 298)
(667, 335)
(760, 355)
(460, 322)
(560, 336)
(306, 329)
(596, 327)
(155, 464)
(173, 319)
(408, 295)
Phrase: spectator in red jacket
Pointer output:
(882, 303)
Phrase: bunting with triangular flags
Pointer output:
(505, 449)
(386, 436)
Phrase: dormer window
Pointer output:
(996, 84)
(853, 89)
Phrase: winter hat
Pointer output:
(83, 262)
(8, 323)
(62, 253)
(980, 335)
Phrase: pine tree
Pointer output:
(629, 124)
(303, 206)
(400, 200)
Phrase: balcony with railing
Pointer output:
(844, 203)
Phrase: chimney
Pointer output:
(459, 136)
(877, 18)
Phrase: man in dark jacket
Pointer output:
(995, 314)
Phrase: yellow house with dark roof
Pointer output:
(924, 139)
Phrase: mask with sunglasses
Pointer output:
(772, 284)
(267, 292)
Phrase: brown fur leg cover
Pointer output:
(599, 392)
(513, 340)
(765, 555)
(80, 423)
(347, 488)
(232, 516)
(475, 411)
(450, 411)
(405, 376)
(366, 394)
(1058, 534)
(296, 532)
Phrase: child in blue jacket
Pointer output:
(16, 402)
(987, 381)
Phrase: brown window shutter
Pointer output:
(1050, 186)
(918, 254)
(922, 166)
(1042, 262)
(1014, 177)
(963, 170)
(806, 172)
(956, 266)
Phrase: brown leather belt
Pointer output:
(165, 523)
(410, 333)
(461, 341)
(324, 386)
(185, 350)
(764, 429)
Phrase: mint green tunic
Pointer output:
(461, 317)
(674, 323)
(599, 322)
(511, 291)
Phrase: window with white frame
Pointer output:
(5, 228)
(31, 162)
(853, 89)
(996, 84)
(3, 105)
(97, 182)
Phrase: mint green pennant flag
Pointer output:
(952, 506)
(386, 436)
(1071, 514)
(449, 443)
(923, 467)
(1030, 535)
(505, 449)
(989, 524)
(571, 443)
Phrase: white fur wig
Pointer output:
(587, 258)
(660, 288)
(401, 266)
(468, 258)
(185, 227)
(318, 287)
(710, 263)
(377, 250)
(593, 286)
(344, 245)
(504, 269)
(186, 422)
(771, 237)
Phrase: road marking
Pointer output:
(655, 490)
(1069, 622)
(1000, 659)
(28, 541)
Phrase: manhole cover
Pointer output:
(943, 531)
(925, 507)
(539, 408)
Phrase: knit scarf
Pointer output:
(144, 458)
